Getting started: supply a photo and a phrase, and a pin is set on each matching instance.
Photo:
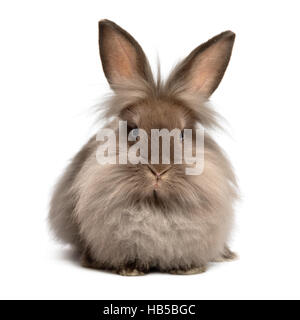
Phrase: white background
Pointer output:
(50, 76)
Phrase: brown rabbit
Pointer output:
(134, 218)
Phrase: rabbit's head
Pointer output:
(146, 104)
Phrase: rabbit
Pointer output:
(131, 219)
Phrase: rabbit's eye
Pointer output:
(134, 133)
(181, 135)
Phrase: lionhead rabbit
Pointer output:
(134, 218)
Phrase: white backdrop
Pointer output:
(50, 76)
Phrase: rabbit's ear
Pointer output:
(205, 66)
(122, 57)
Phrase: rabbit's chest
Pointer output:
(151, 236)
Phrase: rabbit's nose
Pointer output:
(159, 169)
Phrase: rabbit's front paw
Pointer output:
(130, 272)
(189, 271)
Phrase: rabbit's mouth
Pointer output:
(158, 171)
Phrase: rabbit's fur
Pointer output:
(111, 213)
